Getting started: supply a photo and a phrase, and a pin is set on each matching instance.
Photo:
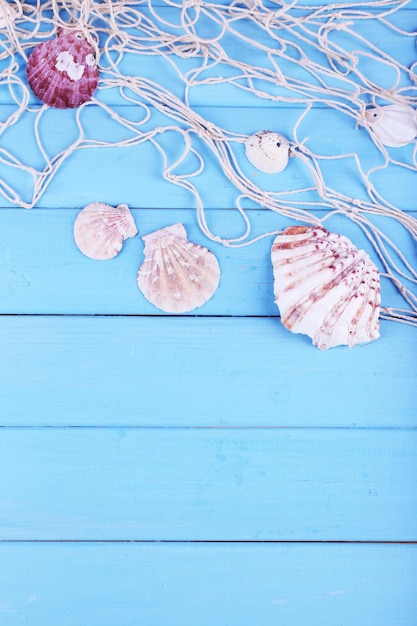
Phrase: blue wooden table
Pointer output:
(202, 469)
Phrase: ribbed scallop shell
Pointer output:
(100, 230)
(62, 72)
(177, 275)
(268, 151)
(394, 124)
(325, 287)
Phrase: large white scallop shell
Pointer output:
(101, 229)
(268, 151)
(177, 275)
(394, 124)
(325, 287)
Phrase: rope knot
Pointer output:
(189, 4)
(354, 207)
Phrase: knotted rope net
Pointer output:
(297, 58)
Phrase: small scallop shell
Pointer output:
(393, 124)
(100, 230)
(325, 287)
(268, 151)
(177, 275)
(62, 72)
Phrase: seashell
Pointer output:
(177, 275)
(393, 124)
(268, 151)
(8, 13)
(325, 287)
(63, 72)
(100, 230)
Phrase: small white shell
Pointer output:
(177, 275)
(100, 230)
(393, 124)
(268, 151)
(325, 287)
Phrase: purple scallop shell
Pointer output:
(62, 72)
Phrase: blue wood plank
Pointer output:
(47, 274)
(142, 371)
(179, 584)
(152, 64)
(134, 174)
(207, 484)
(245, 41)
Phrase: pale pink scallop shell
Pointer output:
(177, 275)
(62, 72)
(100, 230)
(325, 287)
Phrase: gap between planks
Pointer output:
(203, 427)
(215, 541)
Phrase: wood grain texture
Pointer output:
(152, 584)
(173, 371)
(205, 484)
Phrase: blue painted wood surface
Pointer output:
(215, 583)
(210, 468)
(209, 484)
(215, 371)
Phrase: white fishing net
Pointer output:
(293, 60)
